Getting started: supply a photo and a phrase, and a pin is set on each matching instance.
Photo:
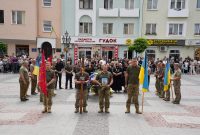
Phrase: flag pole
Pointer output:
(142, 101)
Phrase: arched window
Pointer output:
(85, 25)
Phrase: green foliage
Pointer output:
(3, 47)
(139, 46)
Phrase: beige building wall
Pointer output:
(25, 31)
(53, 14)
(160, 17)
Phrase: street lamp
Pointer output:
(66, 39)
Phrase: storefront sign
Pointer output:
(193, 42)
(75, 54)
(108, 40)
(84, 40)
(165, 42)
(116, 51)
(101, 40)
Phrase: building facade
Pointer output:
(26, 26)
(172, 28)
(101, 28)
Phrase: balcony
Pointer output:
(178, 13)
(108, 12)
(129, 12)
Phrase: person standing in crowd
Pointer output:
(59, 67)
(117, 78)
(161, 80)
(33, 78)
(104, 79)
(177, 84)
(81, 78)
(132, 79)
(24, 81)
(50, 79)
(69, 74)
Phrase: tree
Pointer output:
(3, 48)
(139, 45)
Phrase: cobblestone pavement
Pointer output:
(159, 117)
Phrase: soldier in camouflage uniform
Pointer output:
(24, 81)
(161, 80)
(50, 79)
(81, 77)
(33, 78)
(177, 84)
(132, 79)
(104, 80)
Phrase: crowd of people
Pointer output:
(119, 75)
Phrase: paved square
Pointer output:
(159, 117)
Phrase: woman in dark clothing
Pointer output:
(117, 78)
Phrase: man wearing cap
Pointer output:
(59, 67)
(177, 84)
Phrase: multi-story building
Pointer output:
(172, 27)
(101, 28)
(26, 26)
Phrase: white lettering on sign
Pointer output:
(111, 40)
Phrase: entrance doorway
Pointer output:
(47, 48)
(22, 50)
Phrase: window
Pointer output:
(47, 3)
(129, 4)
(108, 4)
(177, 4)
(1, 16)
(175, 54)
(151, 54)
(85, 28)
(47, 26)
(128, 28)
(198, 3)
(152, 4)
(150, 29)
(175, 29)
(107, 28)
(18, 17)
(197, 29)
(86, 4)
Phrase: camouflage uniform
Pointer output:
(23, 86)
(47, 100)
(161, 82)
(33, 80)
(177, 85)
(104, 91)
(133, 87)
(81, 77)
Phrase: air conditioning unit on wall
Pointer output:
(163, 48)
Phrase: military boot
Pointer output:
(127, 110)
(85, 110)
(107, 110)
(49, 109)
(101, 110)
(137, 111)
(76, 110)
(45, 110)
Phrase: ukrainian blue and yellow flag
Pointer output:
(143, 77)
(167, 77)
(37, 66)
